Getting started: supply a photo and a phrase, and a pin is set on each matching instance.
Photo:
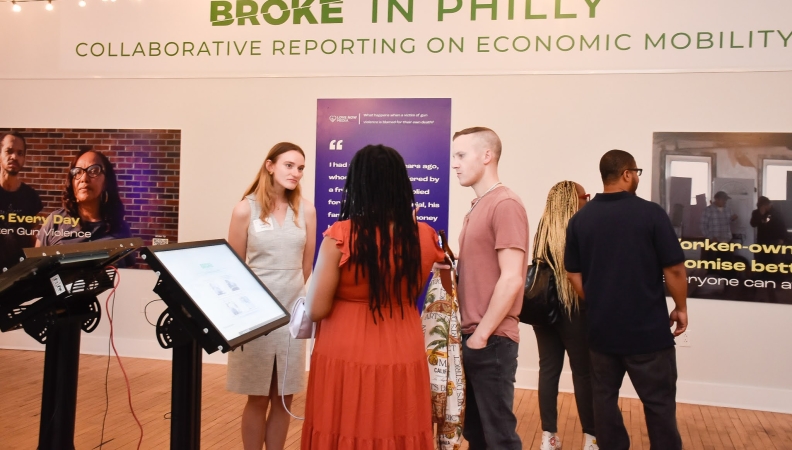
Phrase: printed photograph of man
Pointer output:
(19, 203)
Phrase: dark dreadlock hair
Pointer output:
(378, 201)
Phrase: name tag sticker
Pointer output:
(260, 226)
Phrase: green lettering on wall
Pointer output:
(583, 41)
(660, 41)
(547, 45)
(529, 15)
(406, 13)
(785, 38)
(266, 11)
(498, 48)
(442, 10)
(765, 33)
(559, 15)
(731, 42)
(686, 41)
(329, 11)
(247, 10)
(483, 42)
(616, 42)
(311, 45)
(592, 4)
(571, 43)
(475, 6)
(700, 39)
(410, 48)
(240, 50)
(434, 48)
(294, 47)
(303, 11)
(220, 13)
(154, 47)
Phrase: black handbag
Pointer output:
(540, 298)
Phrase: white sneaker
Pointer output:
(590, 443)
(550, 441)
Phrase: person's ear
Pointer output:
(269, 165)
(487, 156)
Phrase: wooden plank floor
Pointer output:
(702, 427)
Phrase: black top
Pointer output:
(17, 210)
(60, 228)
(770, 227)
(620, 243)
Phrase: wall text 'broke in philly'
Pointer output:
(279, 12)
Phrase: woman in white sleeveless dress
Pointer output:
(274, 230)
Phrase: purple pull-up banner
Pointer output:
(418, 128)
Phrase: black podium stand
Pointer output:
(52, 295)
(197, 312)
(186, 370)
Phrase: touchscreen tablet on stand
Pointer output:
(215, 302)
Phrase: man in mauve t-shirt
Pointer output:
(492, 268)
(619, 250)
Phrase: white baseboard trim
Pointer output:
(97, 345)
(693, 392)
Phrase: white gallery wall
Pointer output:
(553, 126)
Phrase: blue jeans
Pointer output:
(490, 422)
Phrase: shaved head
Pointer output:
(482, 139)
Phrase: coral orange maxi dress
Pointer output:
(368, 386)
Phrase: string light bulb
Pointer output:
(15, 7)
(82, 3)
(49, 5)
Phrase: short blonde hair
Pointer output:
(488, 137)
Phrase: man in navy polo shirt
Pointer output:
(619, 248)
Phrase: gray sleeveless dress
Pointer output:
(275, 254)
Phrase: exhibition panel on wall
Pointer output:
(561, 81)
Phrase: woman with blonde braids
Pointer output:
(569, 333)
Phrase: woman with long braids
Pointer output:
(369, 383)
(569, 333)
(274, 229)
